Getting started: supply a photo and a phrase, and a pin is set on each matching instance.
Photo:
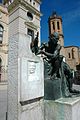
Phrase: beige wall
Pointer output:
(4, 44)
(72, 56)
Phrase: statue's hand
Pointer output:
(40, 52)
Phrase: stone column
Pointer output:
(25, 70)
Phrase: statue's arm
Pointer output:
(49, 55)
(57, 51)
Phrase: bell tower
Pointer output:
(55, 25)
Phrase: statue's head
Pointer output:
(54, 37)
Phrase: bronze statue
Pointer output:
(34, 44)
(58, 68)
(55, 67)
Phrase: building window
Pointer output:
(33, 3)
(31, 33)
(1, 33)
(58, 25)
(30, 16)
(0, 68)
(69, 55)
(72, 53)
(53, 26)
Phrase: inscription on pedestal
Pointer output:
(31, 79)
(33, 71)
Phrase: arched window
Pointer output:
(0, 68)
(1, 33)
(53, 26)
(58, 27)
(73, 53)
(30, 16)
(69, 55)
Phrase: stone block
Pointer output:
(33, 111)
(25, 79)
(62, 109)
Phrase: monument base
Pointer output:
(62, 109)
(33, 111)
(52, 89)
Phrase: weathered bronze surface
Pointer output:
(34, 44)
(58, 75)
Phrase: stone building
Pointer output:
(3, 60)
(71, 53)
(30, 22)
(72, 56)
(3, 43)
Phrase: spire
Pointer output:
(54, 13)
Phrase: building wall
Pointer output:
(4, 43)
(24, 23)
(72, 56)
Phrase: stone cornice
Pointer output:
(72, 46)
(32, 25)
(25, 4)
(4, 44)
(54, 17)
(39, 1)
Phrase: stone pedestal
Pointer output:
(62, 109)
(25, 70)
(25, 81)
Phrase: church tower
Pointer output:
(55, 25)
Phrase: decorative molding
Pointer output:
(30, 101)
(25, 4)
(30, 24)
(39, 1)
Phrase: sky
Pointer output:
(0, 1)
(69, 10)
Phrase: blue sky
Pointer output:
(0, 1)
(69, 10)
